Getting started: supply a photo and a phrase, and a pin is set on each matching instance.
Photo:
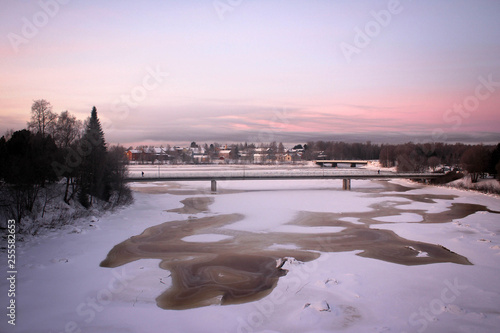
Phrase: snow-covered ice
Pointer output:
(62, 288)
(205, 238)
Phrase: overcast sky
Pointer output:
(257, 70)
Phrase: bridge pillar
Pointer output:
(334, 165)
(346, 184)
(213, 185)
(353, 165)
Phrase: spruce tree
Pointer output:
(93, 182)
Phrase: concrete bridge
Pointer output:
(335, 163)
(221, 175)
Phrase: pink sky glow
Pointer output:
(171, 71)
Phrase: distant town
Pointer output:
(248, 153)
(407, 157)
(214, 153)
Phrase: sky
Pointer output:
(257, 70)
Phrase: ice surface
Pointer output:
(205, 238)
(307, 230)
(61, 287)
(403, 217)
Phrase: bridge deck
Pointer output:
(270, 175)
(342, 161)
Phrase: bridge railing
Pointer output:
(241, 173)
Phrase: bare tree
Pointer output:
(43, 120)
(67, 130)
(8, 134)
(234, 154)
(281, 151)
(117, 171)
(271, 152)
(433, 162)
(475, 160)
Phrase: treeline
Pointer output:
(58, 159)
(477, 160)
(328, 150)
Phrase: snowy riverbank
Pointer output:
(489, 186)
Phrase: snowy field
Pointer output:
(401, 278)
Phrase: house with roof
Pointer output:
(134, 155)
(224, 154)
